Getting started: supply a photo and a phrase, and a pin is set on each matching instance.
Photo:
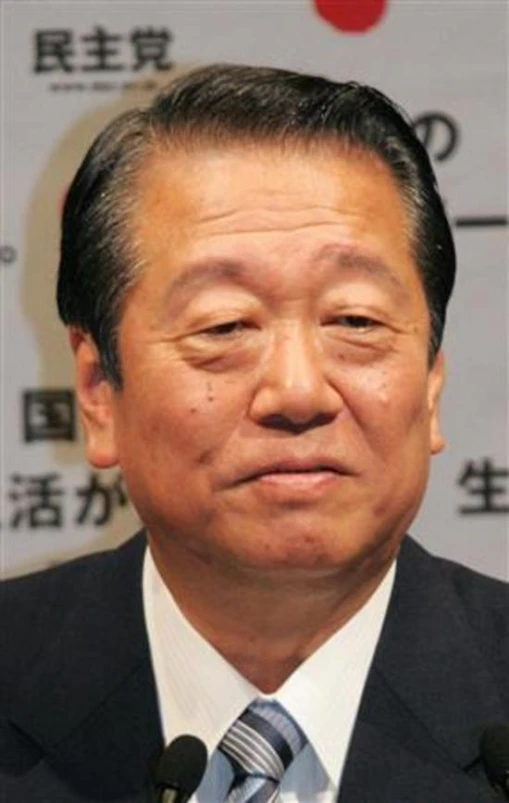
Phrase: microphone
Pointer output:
(180, 769)
(495, 756)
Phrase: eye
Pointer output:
(225, 329)
(354, 321)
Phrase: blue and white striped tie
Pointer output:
(260, 745)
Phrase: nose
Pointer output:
(294, 391)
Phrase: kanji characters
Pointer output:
(100, 50)
(487, 487)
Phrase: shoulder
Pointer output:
(460, 599)
(30, 598)
(35, 608)
(477, 593)
(45, 587)
(484, 601)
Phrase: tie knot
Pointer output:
(263, 741)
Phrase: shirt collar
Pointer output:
(324, 693)
(199, 692)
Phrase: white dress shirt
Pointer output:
(200, 693)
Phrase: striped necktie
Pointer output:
(260, 745)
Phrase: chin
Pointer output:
(300, 551)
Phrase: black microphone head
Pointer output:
(182, 766)
(495, 752)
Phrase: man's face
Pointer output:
(277, 407)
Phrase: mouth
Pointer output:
(296, 473)
(295, 485)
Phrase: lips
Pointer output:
(294, 466)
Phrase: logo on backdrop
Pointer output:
(8, 254)
(108, 59)
(49, 415)
(352, 16)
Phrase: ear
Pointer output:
(96, 401)
(436, 380)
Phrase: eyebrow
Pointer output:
(353, 259)
(209, 271)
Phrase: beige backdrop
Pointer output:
(67, 67)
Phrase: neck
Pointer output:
(265, 624)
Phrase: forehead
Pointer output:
(236, 202)
(232, 173)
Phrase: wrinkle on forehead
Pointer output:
(264, 222)
(333, 260)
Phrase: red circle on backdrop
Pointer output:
(352, 16)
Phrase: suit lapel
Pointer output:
(384, 771)
(428, 698)
(97, 726)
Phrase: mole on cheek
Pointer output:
(210, 393)
(384, 395)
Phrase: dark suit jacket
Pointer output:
(78, 712)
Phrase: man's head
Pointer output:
(255, 271)
(231, 104)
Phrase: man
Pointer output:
(255, 272)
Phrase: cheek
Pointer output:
(183, 419)
(388, 405)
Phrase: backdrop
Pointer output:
(67, 68)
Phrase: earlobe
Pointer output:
(436, 380)
(96, 401)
